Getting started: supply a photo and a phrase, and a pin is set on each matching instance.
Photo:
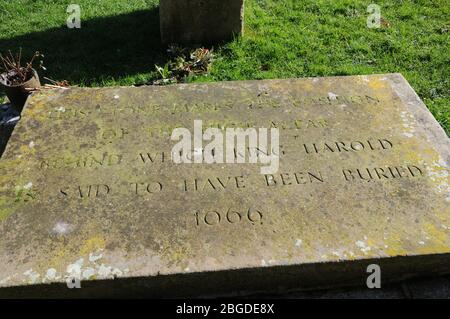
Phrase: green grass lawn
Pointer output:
(119, 44)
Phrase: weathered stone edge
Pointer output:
(216, 83)
(436, 135)
(245, 281)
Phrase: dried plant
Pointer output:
(13, 72)
(184, 64)
(201, 60)
(63, 83)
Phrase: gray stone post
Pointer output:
(200, 21)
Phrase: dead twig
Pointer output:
(12, 69)
(63, 83)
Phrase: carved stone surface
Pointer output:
(88, 190)
(200, 21)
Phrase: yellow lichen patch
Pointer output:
(26, 150)
(377, 84)
(439, 234)
(37, 109)
(64, 253)
(61, 254)
(395, 246)
(6, 208)
(92, 245)
(436, 240)
(176, 253)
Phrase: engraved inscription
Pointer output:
(229, 216)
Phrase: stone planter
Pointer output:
(18, 94)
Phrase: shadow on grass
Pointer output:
(104, 48)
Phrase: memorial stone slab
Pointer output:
(200, 21)
(88, 190)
